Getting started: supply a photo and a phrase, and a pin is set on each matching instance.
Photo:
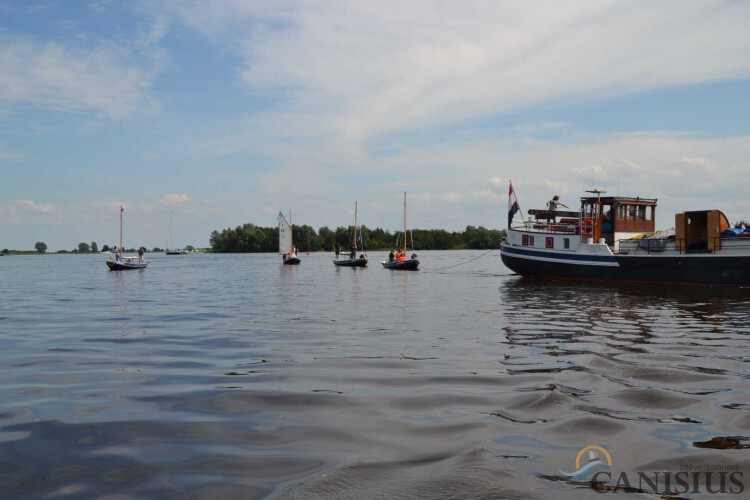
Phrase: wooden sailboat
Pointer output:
(286, 245)
(398, 259)
(119, 262)
(171, 250)
(353, 260)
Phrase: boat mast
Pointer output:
(121, 210)
(355, 225)
(291, 233)
(404, 223)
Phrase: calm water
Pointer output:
(230, 376)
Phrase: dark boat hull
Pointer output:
(402, 265)
(702, 269)
(291, 261)
(125, 266)
(351, 263)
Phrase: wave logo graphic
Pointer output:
(599, 459)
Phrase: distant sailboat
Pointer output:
(353, 260)
(119, 262)
(171, 250)
(398, 259)
(286, 245)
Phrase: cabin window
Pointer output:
(550, 243)
(525, 240)
(566, 242)
(531, 241)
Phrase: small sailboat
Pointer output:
(397, 259)
(286, 241)
(118, 262)
(171, 250)
(353, 260)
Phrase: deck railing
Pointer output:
(679, 245)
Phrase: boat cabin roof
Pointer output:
(620, 200)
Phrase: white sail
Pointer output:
(285, 235)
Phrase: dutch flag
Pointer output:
(512, 204)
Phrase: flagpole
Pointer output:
(519, 205)
(513, 205)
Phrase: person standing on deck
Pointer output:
(552, 206)
(555, 202)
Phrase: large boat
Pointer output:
(286, 237)
(353, 260)
(613, 238)
(397, 260)
(116, 261)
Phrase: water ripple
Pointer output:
(230, 376)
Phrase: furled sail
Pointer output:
(285, 235)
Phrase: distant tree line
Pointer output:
(252, 238)
(83, 247)
(41, 247)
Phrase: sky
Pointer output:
(225, 112)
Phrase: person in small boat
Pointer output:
(352, 251)
(391, 256)
(337, 249)
(413, 256)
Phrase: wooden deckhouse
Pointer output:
(617, 217)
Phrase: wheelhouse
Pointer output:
(615, 218)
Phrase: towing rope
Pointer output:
(462, 263)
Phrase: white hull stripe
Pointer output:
(571, 258)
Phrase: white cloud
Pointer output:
(36, 207)
(6, 155)
(175, 198)
(344, 75)
(365, 69)
(698, 162)
(542, 128)
(55, 76)
(28, 212)
(99, 5)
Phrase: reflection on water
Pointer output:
(236, 377)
